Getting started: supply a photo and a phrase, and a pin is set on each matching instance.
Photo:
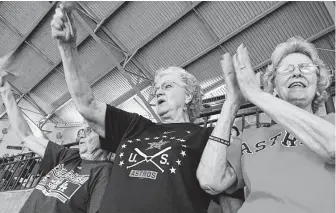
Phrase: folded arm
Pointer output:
(312, 130)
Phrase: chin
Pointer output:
(162, 112)
(300, 102)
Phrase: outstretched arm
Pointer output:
(92, 110)
(18, 122)
(315, 132)
(214, 172)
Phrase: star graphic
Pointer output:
(121, 154)
(129, 141)
(138, 139)
(182, 140)
(178, 162)
(183, 153)
(123, 146)
(157, 145)
(172, 138)
(188, 132)
(146, 139)
(121, 163)
(184, 146)
(164, 136)
(156, 138)
(172, 170)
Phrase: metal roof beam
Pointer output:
(234, 33)
(24, 37)
(59, 62)
(114, 61)
(221, 41)
(268, 61)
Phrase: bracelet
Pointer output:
(219, 140)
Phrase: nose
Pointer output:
(159, 92)
(297, 71)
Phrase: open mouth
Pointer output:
(297, 85)
(161, 101)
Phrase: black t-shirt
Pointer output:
(155, 165)
(71, 184)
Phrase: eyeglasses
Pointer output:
(305, 68)
(164, 86)
(83, 133)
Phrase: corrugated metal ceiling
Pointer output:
(191, 41)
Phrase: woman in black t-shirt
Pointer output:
(155, 163)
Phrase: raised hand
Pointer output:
(62, 25)
(232, 89)
(246, 77)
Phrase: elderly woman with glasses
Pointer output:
(289, 166)
(155, 163)
(75, 179)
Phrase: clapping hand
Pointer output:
(245, 75)
(233, 93)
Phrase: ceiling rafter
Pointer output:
(24, 37)
(268, 61)
(107, 51)
(120, 46)
(23, 40)
(130, 94)
(234, 33)
(59, 62)
(141, 45)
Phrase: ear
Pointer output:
(188, 98)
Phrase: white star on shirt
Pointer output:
(172, 170)
(146, 139)
(188, 132)
(164, 136)
(182, 140)
(138, 139)
(123, 146)
(121, 154)
(172, 138)
(178, 162)
(183, 153)
(129, 141)
(156, 138)
(184, 146)
(121, 163)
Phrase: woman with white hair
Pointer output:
(155, 164)
(289, 166)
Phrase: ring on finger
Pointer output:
(242, 67)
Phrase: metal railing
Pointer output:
(21, 171)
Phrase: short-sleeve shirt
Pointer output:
(70, 184)
(155, 165)
(281, 173)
